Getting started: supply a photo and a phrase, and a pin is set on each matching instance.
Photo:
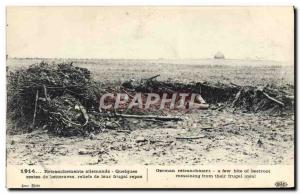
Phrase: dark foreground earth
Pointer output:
(220, 137)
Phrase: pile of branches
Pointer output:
(57, 97)
(212, 93)
(245, 98)
(256, 99)
(64, 99)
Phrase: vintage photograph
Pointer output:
(151, 86)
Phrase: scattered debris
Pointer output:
(63, 99)
(259, 142)
(248, 98)
(160, 118)
(187, 138)
(140, 140)
(206, 127)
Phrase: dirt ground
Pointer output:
(220, 136)
(223, 138)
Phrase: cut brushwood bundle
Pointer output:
(256, 99)
(53, 96)
(246, 98)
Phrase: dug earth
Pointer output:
(218, 137)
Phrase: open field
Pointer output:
(240, 72)
(225, 136)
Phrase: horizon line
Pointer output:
(95, 58)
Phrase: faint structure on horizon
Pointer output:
(219, 55)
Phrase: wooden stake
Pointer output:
(273, 99)
(35, 107)
(45, 93)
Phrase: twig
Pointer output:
(85, 115)
(151, 78)
(273, 99)
(152, 120)
(127, 92)
(197, 137)
(35, 107)
(235, 85)
(53, 87)
(237, 96)
(161, 118)
(45, 93)
(206, 127)
(123, 131)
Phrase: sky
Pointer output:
(151, 32)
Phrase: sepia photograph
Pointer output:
(146, 97)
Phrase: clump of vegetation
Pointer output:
(245, 98)
(42, 95)
(64, 99)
